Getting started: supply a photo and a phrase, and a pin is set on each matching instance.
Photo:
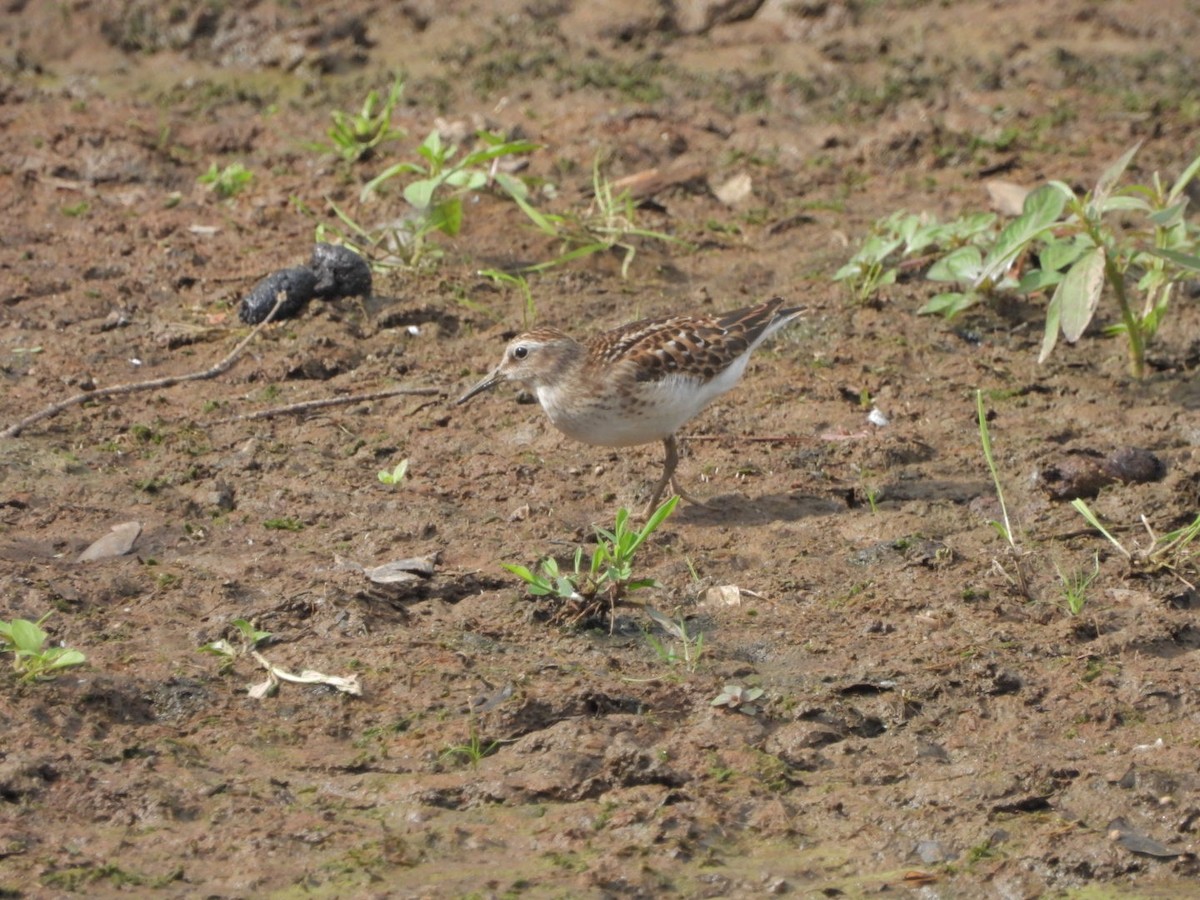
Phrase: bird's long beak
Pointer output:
(486, 385)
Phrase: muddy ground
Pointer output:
(925, 727)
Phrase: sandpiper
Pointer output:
(638, 382)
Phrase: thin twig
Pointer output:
(307, 405)
(134, 387)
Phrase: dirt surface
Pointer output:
(925, 727)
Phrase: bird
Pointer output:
(639, 382)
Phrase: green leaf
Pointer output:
(420, 193)
(1079, 293)
(962, 266)
(447, 216)
(1038, 279)
(1111, 176)
(386, 175)
(1123, 203)
(64, 657)
(27, 637)
(1041, 211)
(1184, 260)
(1171, 215)
(520, 571)
(1056, 255)
(1053, 324)
(1184, 179)
(468, 180)
(949, 304)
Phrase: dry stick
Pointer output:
(306, 405)
(134, 387)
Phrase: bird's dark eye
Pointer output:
(520, 352)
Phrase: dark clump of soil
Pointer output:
(941, 713)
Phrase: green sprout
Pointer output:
(692, 644)
(1004, 528)
(604, 582)
(355, 136)
(1075, 585)
(738, 698)
(609, 223)
(226, 182)
(32, 659)
(396, 476)
(249, 638)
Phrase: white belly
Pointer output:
(655, 411)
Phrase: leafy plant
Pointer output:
(226, 182)
(903, 235)
(610, 222)
(32, 659)
(1170, 551)
(396, 476)
(607, 579)
(249, 638)
(1004, 528)
(1075, 586)
(529, 312)
(739, 698)
(692, 644)
(473, 750)
(284, 523)
(436, 194)
(354, 136)
(1135, 240)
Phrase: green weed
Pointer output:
(692, 645)
(590, 590)
(1170, 552)
(739, 698)
(1004, 528)
(1075, 586)
(248, 637)
(396, 476)
(284, 523)
(440, 182)
(473, 750)
(32, 659)
(226, 182)
(354, 136)
(610, 222)
(1136, 241)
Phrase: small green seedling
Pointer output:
(606, 581)
(1135, 241)
(473, 750)
(904, 240)
(436, 193)
(355, 136)
(249, 638)
(1004, 529)
(396, 476)
(1169, 551)
(32, 659)
(520, 283)
(1075, 585)
(609, 223)
(226, 182)
(692, 644)
(739, 698)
